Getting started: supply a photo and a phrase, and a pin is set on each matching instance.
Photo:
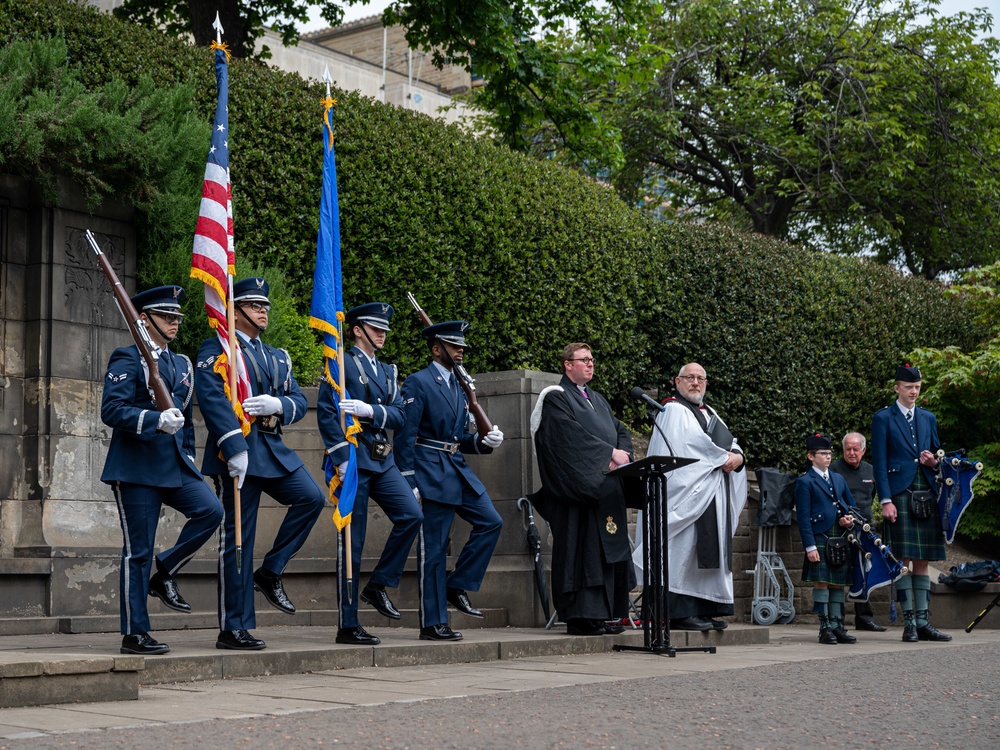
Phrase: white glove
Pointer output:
(171, 420)
(342, 470)
(416, 493)
(263, 406)
(493, 438)
(357, 408)
(238, 467)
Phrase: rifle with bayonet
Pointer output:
(137, 327)
(465, 380)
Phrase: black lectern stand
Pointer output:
(652, 471)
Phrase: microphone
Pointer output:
(639, 395)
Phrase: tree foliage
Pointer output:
(243, 20)
(533, 254)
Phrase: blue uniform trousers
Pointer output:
(305, 501)
(477, 510)
(396, 499)
(139, 511)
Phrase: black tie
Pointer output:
(453, 385)
(909, 421)
(167, 369)
(262, 355)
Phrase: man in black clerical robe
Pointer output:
(577, 440)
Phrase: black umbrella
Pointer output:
(535, 548)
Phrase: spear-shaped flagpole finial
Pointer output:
(218, 28)
(329, 79)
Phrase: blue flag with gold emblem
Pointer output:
(327, 315)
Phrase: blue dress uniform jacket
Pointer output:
(448, 487)
(433, 412)
(379, 480)
(895, 456)
(139, 453)
(377, 388)
(148, 469)
(815, 509)
(273, 468)
(269, 457)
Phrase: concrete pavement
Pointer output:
(282, 695)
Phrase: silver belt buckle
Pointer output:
(452, 448)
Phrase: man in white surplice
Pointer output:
(704, 501)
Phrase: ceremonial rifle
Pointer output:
(483, 424)
(137, 327)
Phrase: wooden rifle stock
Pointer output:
(137, 327)
(465, 380)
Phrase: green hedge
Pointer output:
(535, 255)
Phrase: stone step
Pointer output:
(41, 669)
(165, 619)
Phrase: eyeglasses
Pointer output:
(259, 306)
(170, 318)
(585, 360)
(694, 378)
(827, 454)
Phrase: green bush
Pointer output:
(532, 254)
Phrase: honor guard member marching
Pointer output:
(260, 461)
(377, 404)
(429, 452)
(151, 463)
(904, 444)
(828, 558)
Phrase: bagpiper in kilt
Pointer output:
(904, 446)
(819, 494)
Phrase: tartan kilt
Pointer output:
(909, 538)
(820, 572)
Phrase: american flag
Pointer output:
(214, 259)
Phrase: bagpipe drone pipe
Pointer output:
(874, 565)
(956, 473)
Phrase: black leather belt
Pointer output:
(438, 445)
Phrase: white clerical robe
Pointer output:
(690, 491)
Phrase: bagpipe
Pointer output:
(956, 473)
(874, 565)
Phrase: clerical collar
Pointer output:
(692, 403)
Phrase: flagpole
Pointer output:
(342, 376)
(233, 354)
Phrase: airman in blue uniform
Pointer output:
(150, 463)
(376, 402)
(260, 462)
(429, 452)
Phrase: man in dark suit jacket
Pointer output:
(429, 452)
(904, 446)
(260, 461)
(150, 463)
(819, 494)
(860, 478)
(376, 402)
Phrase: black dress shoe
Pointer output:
(870, 625)
(691, 623)
(910, 633)
(270, 586)
(238, 640)
(717, 624)
(380, 600)
(827, 637)
(357, 637)
(143, 644)
(164, 588)
(583, 626)
(460, 601)
(613, 629)
(843, 636)
(439, 633)
(930, 633)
